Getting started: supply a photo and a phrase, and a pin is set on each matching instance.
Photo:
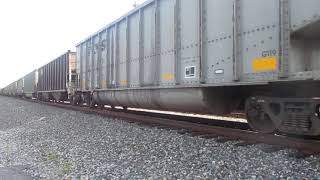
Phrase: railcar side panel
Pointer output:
(19, 87)
(94, 63)
(79, 65)
(218, 41)
(303, 12)
(30, 84)
(304, 52)
(165, 43)
(113, 55)
(121, 53)
(187, 44)
(103, 60)
(133, 50)
(84, 72)
(88, 63)
(148, 45)
(259, 40)
(165, 29)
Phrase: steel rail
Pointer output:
(208, 128)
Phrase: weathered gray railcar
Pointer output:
(24, 87)
(30, 84)
(56, 78)
(211, 56)
(11, 89)
(20, 85)
(5, 90)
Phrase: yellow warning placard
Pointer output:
(123, 82)
(265, 64)
(168, 76)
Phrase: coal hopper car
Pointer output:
(57, 78)
(30, 85)
(10, 90)
(25, 87)
(210, 56)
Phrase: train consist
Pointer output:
(202, 56)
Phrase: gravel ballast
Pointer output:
(52, 143)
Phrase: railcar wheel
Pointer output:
(257, 118)
(92, 103)
(101, 106)
(73, 101)
(87, 100)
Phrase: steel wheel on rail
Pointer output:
(92, 103)
(257, 118)
(73, 101)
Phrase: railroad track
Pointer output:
(205, 128)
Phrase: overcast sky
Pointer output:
(34, 32)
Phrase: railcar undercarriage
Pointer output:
(299, 116)
(275, 107)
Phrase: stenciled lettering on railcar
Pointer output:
(269, 53)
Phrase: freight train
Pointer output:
(201, 56)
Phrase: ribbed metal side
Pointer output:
(299, 121)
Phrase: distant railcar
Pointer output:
(19, 87)
(30, 84)
(56, 78)
(12, 90)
